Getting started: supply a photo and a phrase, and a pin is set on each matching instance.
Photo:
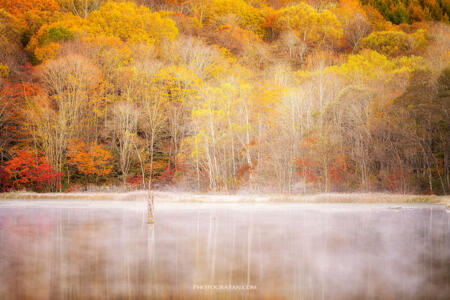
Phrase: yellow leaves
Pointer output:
(132, 23)
(267, 97)
(311, 26)
(394, 43)
(216, 114)
(303, 75)
(371, 65)
(445, 57)
(193, 147)
(346, 10)
(328, 27)
(176, 83)
(111, 50)
(115, 56)
(4, 71)
(10, 28)
(47, 52)
(368, 64)
(221, 68)
(45, 43)
(103, 41)
(247, 16)
(124, 21)
(409, 64)
(218, 107)
(420, 38)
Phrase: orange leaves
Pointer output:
(234, 38)
(308, 142)
(16, 92)
(31, 14)
(13, 100)
(89, 160)
(243, 174)
(189, 25)
(20, 7)
(269, 21)
(10, 43)
(267, 97)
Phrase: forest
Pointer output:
(225, 95)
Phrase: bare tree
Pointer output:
(152, 105)
(124, 124)
(293, 45)
(69, 83)
(356, 30)
(80, 7)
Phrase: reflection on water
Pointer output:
(105, 250)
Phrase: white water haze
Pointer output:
(106, 250)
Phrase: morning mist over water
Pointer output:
(106, 250)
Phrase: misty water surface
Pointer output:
(106, 250)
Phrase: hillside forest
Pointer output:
(225, 95)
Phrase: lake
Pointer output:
(106, 250)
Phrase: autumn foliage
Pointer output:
(89, 160)
(21, 7)
(28, 170)
(225, 95)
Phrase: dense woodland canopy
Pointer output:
(225, 95)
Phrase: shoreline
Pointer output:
(164, 196)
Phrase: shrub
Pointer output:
(28, 170)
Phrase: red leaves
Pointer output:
(28, 170)
(321, 163)
(243, 174)
(394, 181)
(308, 169)
(134, 181)
(269, 21)
(168, 174)
(338, 169)
(5, 184)
(311, 170)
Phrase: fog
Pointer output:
(106, 250)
